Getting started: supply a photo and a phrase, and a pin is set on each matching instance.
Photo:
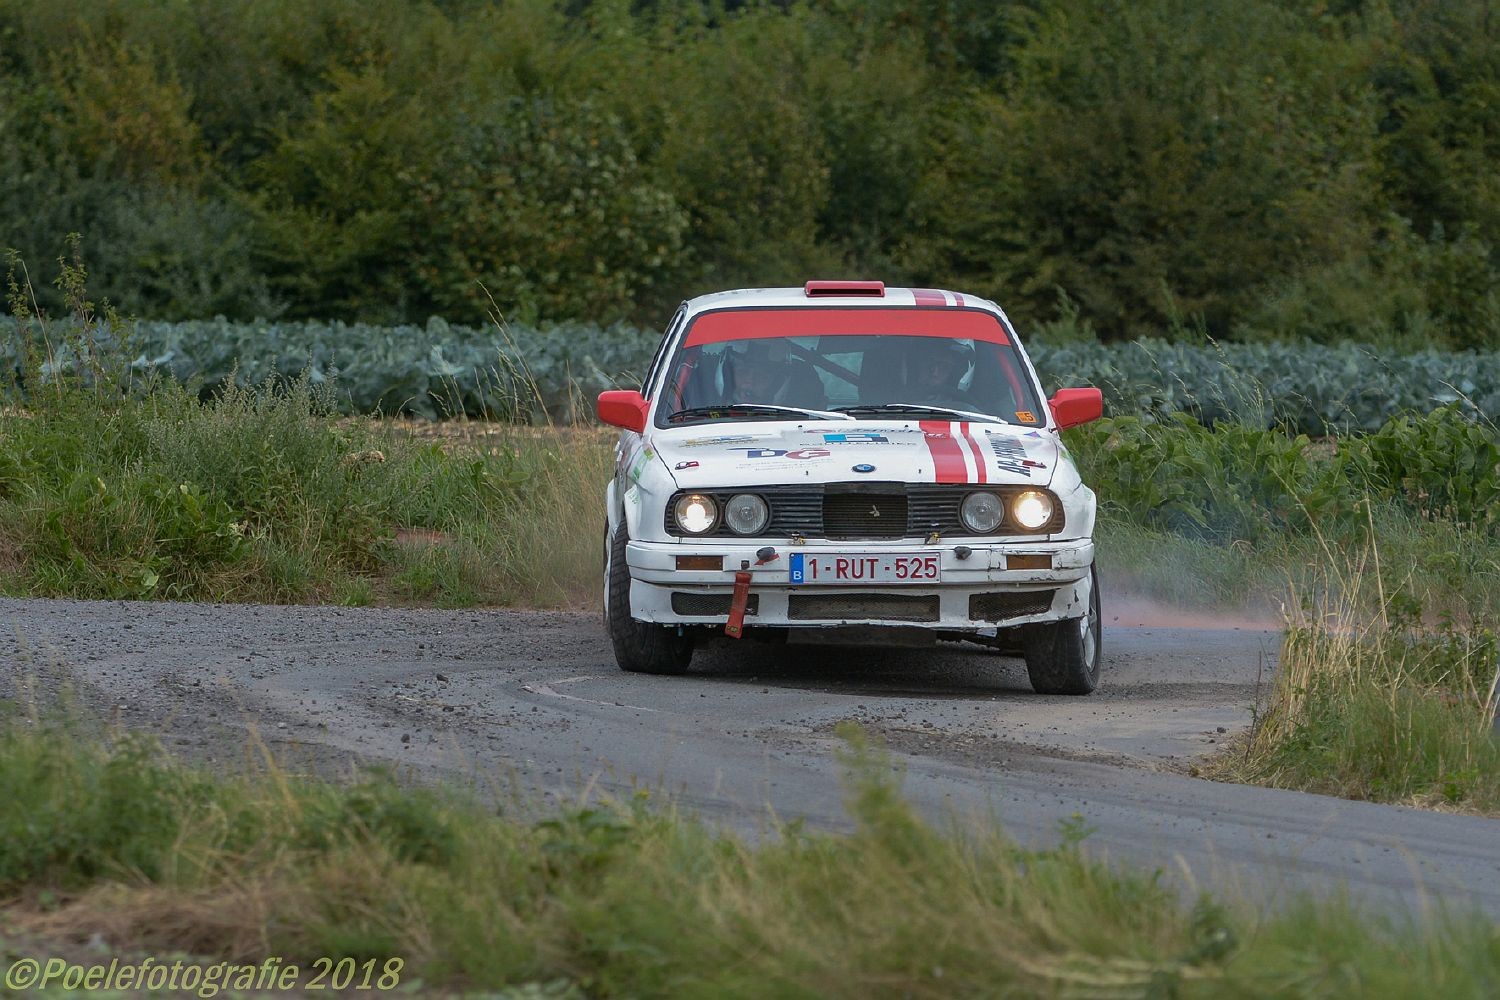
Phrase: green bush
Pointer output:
(1441, 465)
(1254, 169)
(1134, 164)
(72, 818)
(1233, 482)
(1226, 484)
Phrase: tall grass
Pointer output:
(635, 899)
(1394, 706)
(261, 495)
(540, 545)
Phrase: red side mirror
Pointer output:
(624, 408)
(1071, 407)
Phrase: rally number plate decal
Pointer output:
(884, 567)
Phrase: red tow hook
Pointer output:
(741, 600)
(736, 626)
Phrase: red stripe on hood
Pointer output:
(947, 454)
(979, 458)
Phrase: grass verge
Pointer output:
(262, 495)
(635, 899)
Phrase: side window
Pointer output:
(654, 372)
(693, 380)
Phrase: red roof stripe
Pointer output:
(929, 297)
(814, 321)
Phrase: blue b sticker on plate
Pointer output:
(796, 565)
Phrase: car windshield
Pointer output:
(929, 364)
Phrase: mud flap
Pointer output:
(736, 626)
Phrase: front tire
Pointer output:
(640, 647)
(1063, 657)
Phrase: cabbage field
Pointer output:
(527, 373)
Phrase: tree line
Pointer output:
(1242, 168)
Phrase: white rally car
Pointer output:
(849, 461)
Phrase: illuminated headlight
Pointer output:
(1031, 509)
(982, 512)
(696, 514)
(747, 514)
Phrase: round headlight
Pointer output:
(747, 514)
(982, 512)
(1032, 509)
(696, 514)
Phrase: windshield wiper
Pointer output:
(918, 408)
(728, 409)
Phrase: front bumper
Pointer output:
(977, 593)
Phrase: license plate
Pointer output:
(886, 567)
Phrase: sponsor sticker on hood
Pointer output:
(724, 440)
(921, 451)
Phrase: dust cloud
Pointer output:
(1132, 610)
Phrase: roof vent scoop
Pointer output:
(869, 289)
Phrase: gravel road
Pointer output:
(535, 698)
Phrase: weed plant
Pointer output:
(633, 898)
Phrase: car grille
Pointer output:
(864, 515)
(793, 512)
(1001, 606)
(844, 607)
(710, 605)
(844, 510)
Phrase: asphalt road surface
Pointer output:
(534, 699)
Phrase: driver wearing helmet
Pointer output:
(763, 371)
(936, 368)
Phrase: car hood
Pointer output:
(926, 451)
